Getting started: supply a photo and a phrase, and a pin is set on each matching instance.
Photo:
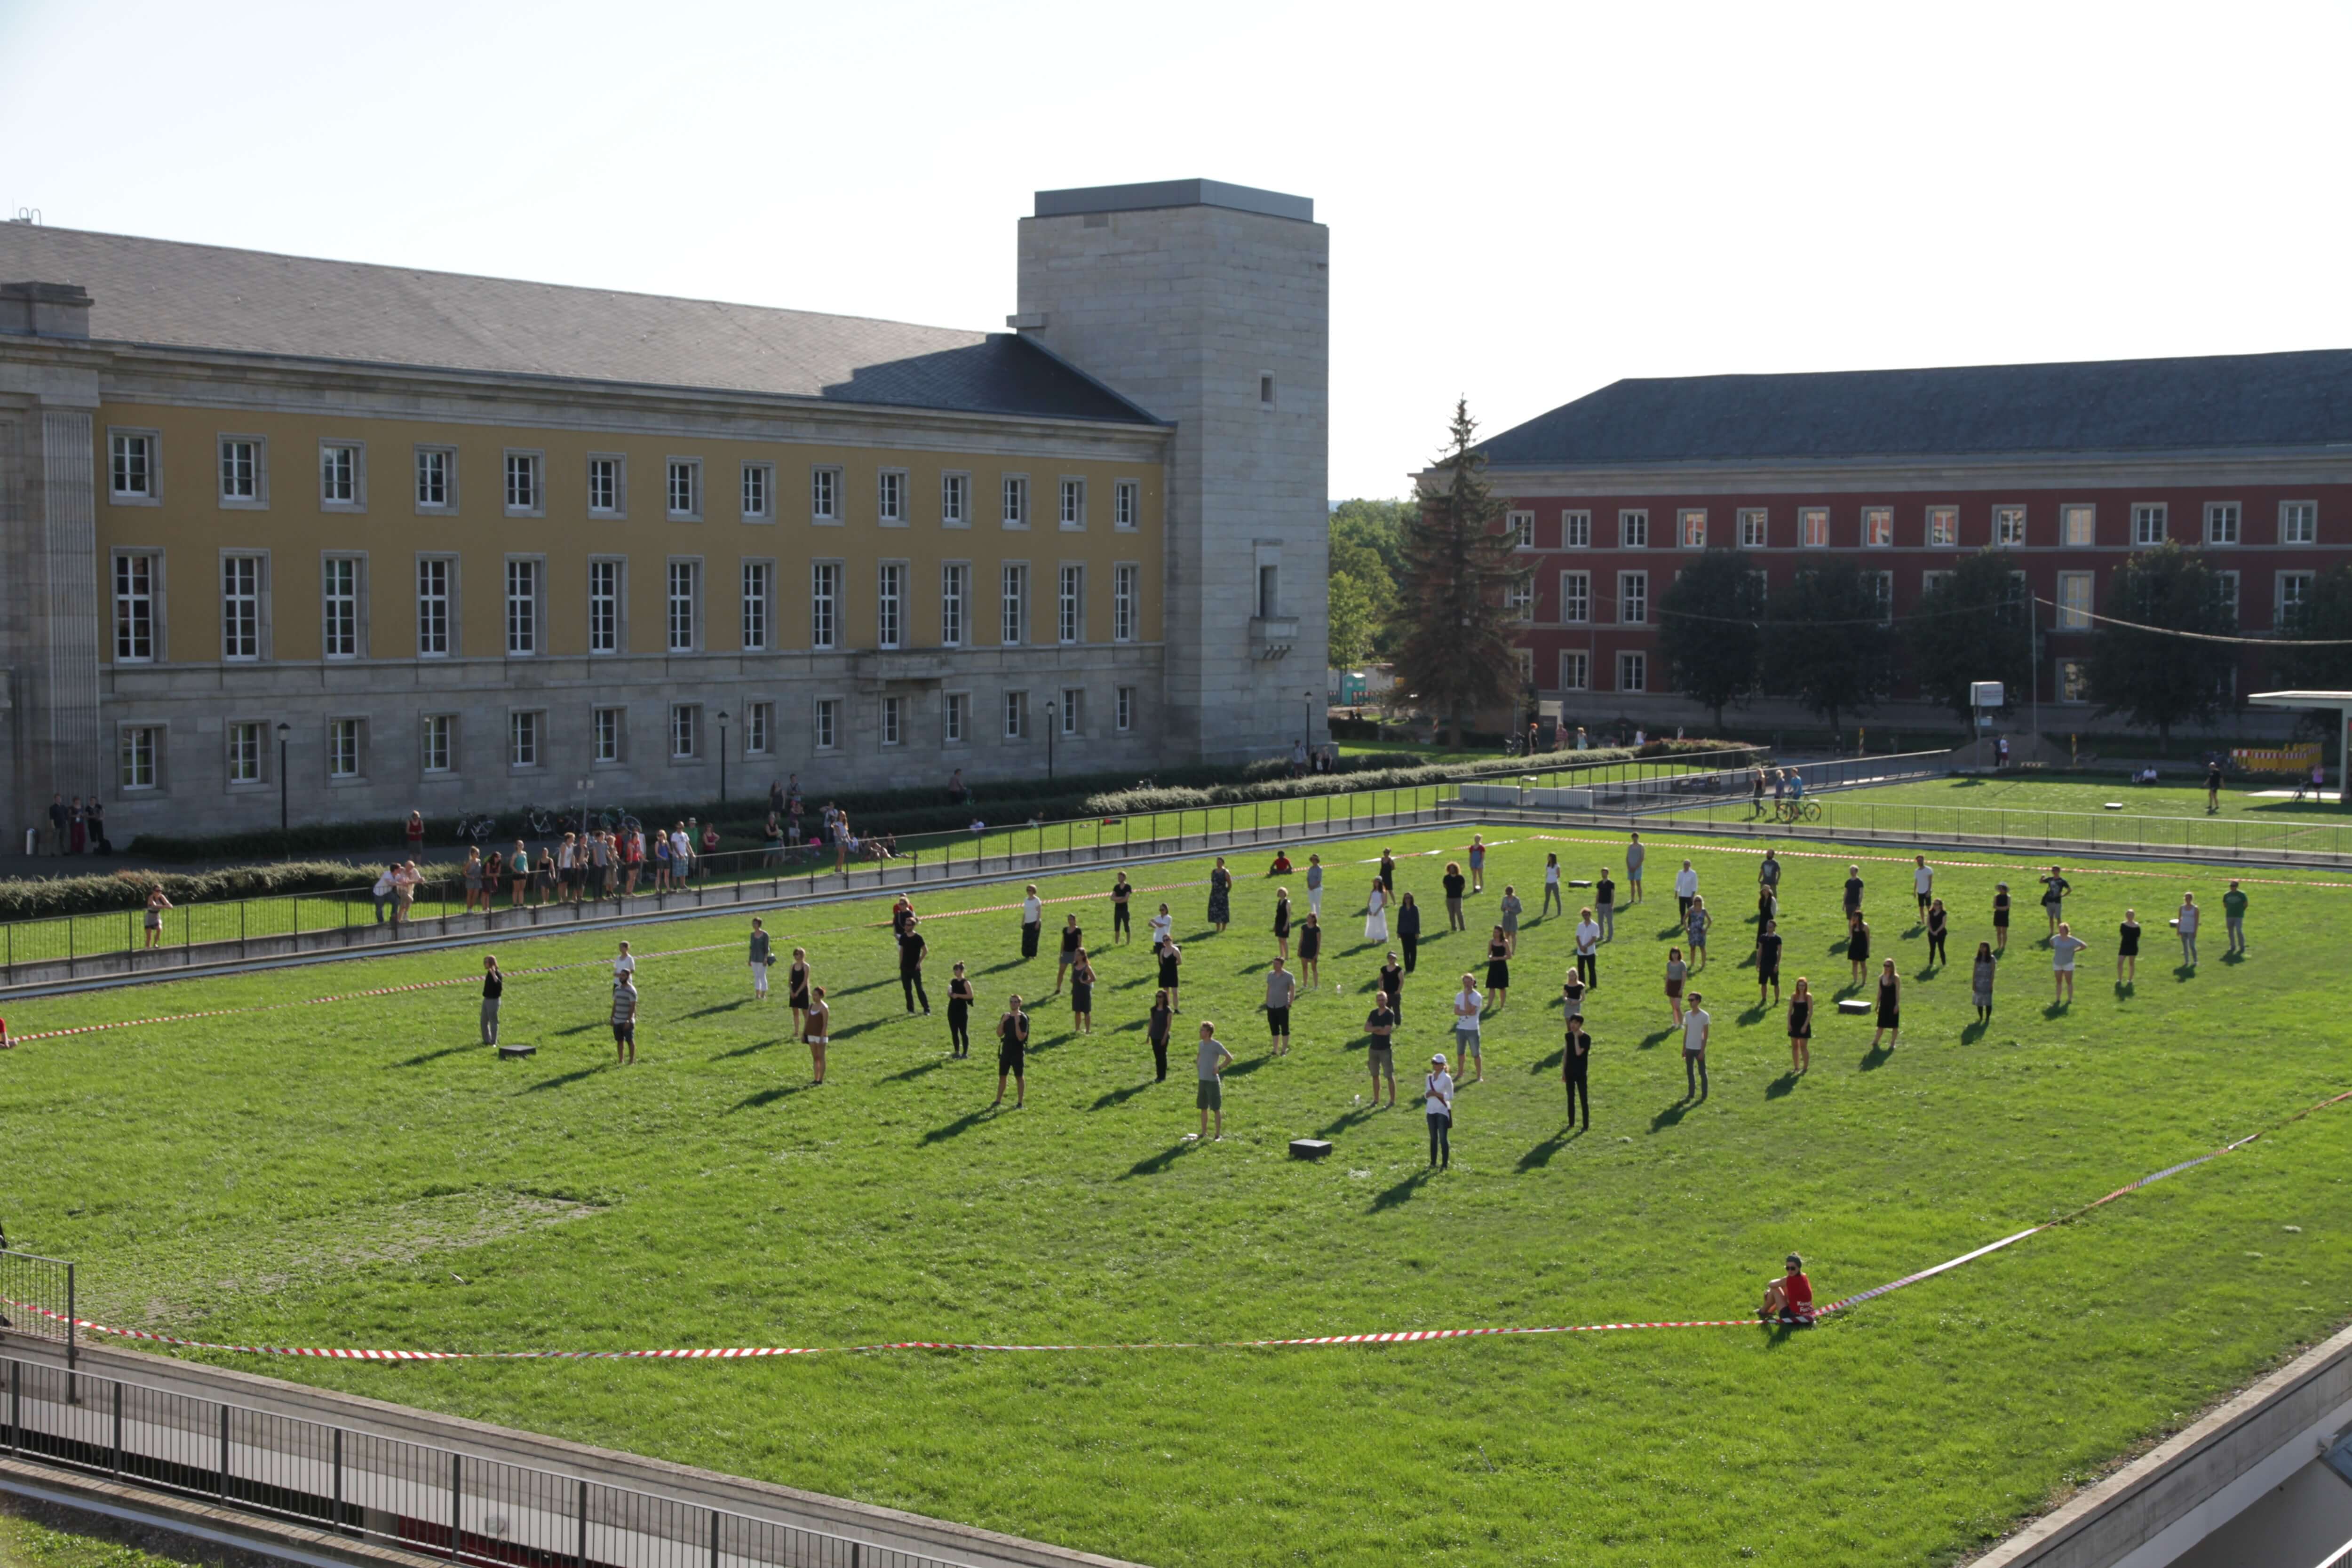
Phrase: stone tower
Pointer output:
(1208, 304)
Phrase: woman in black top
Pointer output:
(1082, 994)
(1890, 1006)
(1768, 960)
(1801, 1025)
(2054, 889)
(1311, 951)
(1408, 930)
(1282, 921)
(1571, 993)
(494, 986)
(2127, 950)
(912, 949)
(1388, 873)
(1012, 1053)
(1392, 983)
(1120, 891)
(1939, 924)
(1857, 943)
(796, 989)
(1853, 889)
(961, 997)
(1163, 1018)
(1073, 935)
(1499, 969)
(2000, 919)
(1171, 956)
(1221, 896)
(1456, 885)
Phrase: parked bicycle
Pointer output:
(1797, 811)
(476, 829)
(543, 823)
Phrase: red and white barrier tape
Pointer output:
(2096, 869)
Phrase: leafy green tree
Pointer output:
(1828, 644)
(1708, 631)
(1974, 625)
(2146, 675)
(1367, 542)
(2324, 615)
(1456, 646)
(1357, 619)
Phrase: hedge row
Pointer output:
(1120, 803)
(40, 898)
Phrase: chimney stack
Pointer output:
(44, 310)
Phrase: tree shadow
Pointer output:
(960, 1126)
(445, 1051)
(1673, 1114)
(918, 1070)
(1781, 1086)
(1154, 1164)
(754, 1047)
(1120, 1096)
(769, 1097)
(1403, 1192)
(720, 1007)
(1541, 1155)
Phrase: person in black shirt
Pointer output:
(2126, 950)
(1571, 993)
(1408, 930)
(1575, 1059)
(1012, 1053)
(1853, 889)
(1157, 1030)
(1120, 891)
(2054, 889)
(2000, 919)
(912, 949)
(1604, 904)
(1073, 937)
(1171, 956)
(1801, 1027)
(1456, 885)
(1282, 923)
(1939, 927)
(1392, 985)
(961, 997)
(1768, 962)
(2212, 788)
(1388, 873)
(1310, 951)
(1380, 1024)
(1082, 994)
(494, 986)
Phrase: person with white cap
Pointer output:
(1437, 1105)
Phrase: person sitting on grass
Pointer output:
(1789, 1299)
(1281, 866)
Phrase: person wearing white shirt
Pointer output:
(681, 854)
(2185, 922)
(1313, 885)
(1696, 1024)
(1685, 889)
(1551, 899)
(1467, 1005)
(1587, 949)
(1923, 883)
(1437, 1105)
(625, 966)
(1163, 926)
(1032, 915)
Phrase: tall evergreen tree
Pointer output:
(1973, 624)
(1708, 631)
(1456, 645)
(2146, 676)
(1827, 644)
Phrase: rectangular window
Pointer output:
(825, 495)
(134, 609)
(139, 757)
(522, 740)
(2298, 522)
(955, 500)
(2009, 526)
(605, 730)
(1269, 592)
(1755, 527)
(955, 718)
(440, 729)
(759, 499)
(1882, 592)
(132, 466)
(1013, 618)
(437, 478)
(2078, 525)
(2229, 593)
(1127, 505)
(2073, 680)
(433, 621)
(1072, 511)
(244, 745)
(1634, 529)
(1930, 581)
(1575, 670)
(603, 487)
(890, 496)
(241, 606)
(1632, 598)
(1016, 715)
(2294, 592)
(685, 490)
(1576, 597)
(1814, 526)
(340, 627)
(685, 592)
(1016, 502)
(1575, 531)
(1690, 527)
(523, 489)
(1944, 527)
(1123, 710)
(889, 603)
(2149, 524)
(2221, 522)
(342, 748)
(2074, 601)
(685, 727)
(603, 607)
(1878, 527)
(825, 603)
(1521, 527)
(825, 735)
(955, 603)
(757, 585)
(1074, 703)
(1519, 597)
(1069, 603)
(890, 710)
(1632, 672)
(339, 475)
(758, 728)
(241, 469)
(1125, 586)
(522, 607)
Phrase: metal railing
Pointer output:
(413, 1496)
(42, 1291)
(2284, 835)
(1734, 784)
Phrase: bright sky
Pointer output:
(1525, 202)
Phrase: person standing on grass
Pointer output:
(1408, 930)
(1012, 1054)
(1315, 884)
(2054, 889)
(1310, 952)
(1213, 1060)
(1282, 921)
(625, 1021)
(1767, 887)
(2233, 919)
(1388, 874)
(1281, 985)
(1033, 916)
(2186, 923)
(1511, 908)
(1853, 892)
(1437, 1107)
(1456, 884)
(1163, 927)
(1381, 1055)
(1801, 1025)
(1980, 979)
(1685, 889)
(902, 914)
(1082, 995)
(157, 903)
(1499, 967)
(1477, 862)
(1467, 1005)
(1552, 902)
(1157, 1030)
(494, 987)
(1171, 959)
(2127, 949)
(1571, 993)
(2213, 788)
(1221, 896)
(1696, 921)
(1857, 945)
(1391, 984)
(1677, 972)
(1755, 793)
(796, 989)
(1999, 917)
(1923, 883)
(1575, 1059)
(1073, 938)
(624, 964)
(1634, 855)
(1376, 917)
(1588, 948)
(1768, 960)
(762, 955)
(961, 997)
(1939, 927)
(1890, 1007)
(1696, 1025)
(1604, 905)
(2063, 946)
(1121, 891)
(912, 951)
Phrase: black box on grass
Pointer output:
(1309, 1148)
(515, 1053)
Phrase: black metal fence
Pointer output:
(37, 1297)
(419, 1497)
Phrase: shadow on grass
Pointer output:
(753, 1049)
(720, 1007)
(918, 1070)
(1754, 1014)
(1244, 1068)
(1541, 1155)
(1876, 1057)
(960, 1126)
(451, 1051)
(855, 1029)
(2185, 973)
(560, 1079)
(1546, 1063)
(1781, 1086)
(769, 1097)
(2233, 958)
(2124, 990)
(588, 1028)
(1403, 1192)
(1008, 964)
(1672, 1115)
(2057, 1010)
(1334, 1128)
(1156, 1163)
(1974, 1032)
(1120, 1096)
(1651, 1042)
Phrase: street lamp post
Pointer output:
(285, 824)
(1306, 733)
(722, 756)
(1050, 721)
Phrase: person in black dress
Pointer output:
(1575, 1058)
(1571, 993)
(1082, 994)
(2127, 949)
(796, 990)
(2000, 919)
(1221, 896)
(1499, 969)
(1939, 927)
(1857, 944)
(1282, 923)
(1890, 1006)
(1388, 873)
(1012, 1053)
(1120, 891)
(1170, 957)
(961, 997)
(1801, 1025)
(1073, 937)
(911, 951)
(1311, 951)
(1391, 983)
(1161, 1025)
(1408, 928)
(1768, 962)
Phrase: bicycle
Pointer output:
(543, 824)
(476, 829)
(1797, 811)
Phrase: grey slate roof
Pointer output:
(164, 292)
(2302, 399)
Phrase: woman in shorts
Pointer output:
(1801, 1025)
(2127, 949)
(1890, 1006)
(156, 904)
(473, 877)
(817, 1031)
(1012, 1053)
(1676, 973)
(1073, 943)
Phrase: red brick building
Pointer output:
(2070, 466)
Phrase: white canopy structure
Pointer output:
(2341, 701)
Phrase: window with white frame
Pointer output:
(1122, 703)
(1016, 715)
(955, 718)
(1931, 581)
(1575, 669)
(685, 490)
(342, 748)
(1814, 526)
(1944, 527)
(891, 710)
(1634, 529)
(340, 616)
(2230, 593)
(759, 492)
(1878, 527)
(240, 470)
(603, 607)
(245, 752)
(523, 608)
(890, 496)
(685, 729)
(684, 602)
(889, 603)
(1759, 584)
(1012, 619)
(1632, 598)
(522, 740)
(823, 733)
(241, 606)
(1632, 672)
(1127, 505)
(1519, 597)
(2073, 680)
(138, 745)
(2293, 593)
(2074, 601)
(134, 609)
(2298, 522)
(758, 584)
(437, 478)
(1755, 527)
(825, 495)
(1016, 495)
(339, 475)
(1072, 511)
(1126, 586)
(1575, 531)
(131, 465)
(436, 743)
(955, 500)
(524, 491)
(2150, 524)
(955, 603)
(1074, 706)
(1576, 597)
(2078, 525)
(1521, 527)
(603, 487)
(1881, 592)
(434, 585)
(604, 731)
(1690, 527)
(825, 604)
(2009, 526)
(758, 728)
(2221, 519)
(1069, 604)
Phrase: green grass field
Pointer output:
(359, 1174)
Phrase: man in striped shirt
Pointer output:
(625, 1020)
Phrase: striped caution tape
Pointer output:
(1851, 857)
(1390, 1337)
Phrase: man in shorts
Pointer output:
(1696, 1024)
(1634, 855)
(1467, 1005)
(762, 956)
(625, 1020)
(1381, 1026)
(1214, 1061)
(1281, 985)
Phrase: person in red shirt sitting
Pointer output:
(1281, 864)
(1789, 1299)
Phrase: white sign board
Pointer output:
(1985, 694)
